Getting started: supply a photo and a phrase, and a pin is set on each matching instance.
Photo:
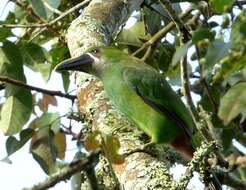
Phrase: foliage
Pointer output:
(219, 60)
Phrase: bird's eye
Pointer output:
(95, 51)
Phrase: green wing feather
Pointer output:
(157, 93)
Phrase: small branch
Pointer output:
(67, 172)
(185, 37)
(230, 180)
(166, 4)
(45, 24)
(29, 87)
(69, 11)
(186, 88)
(147, 54)
(204, 82)
(162, 32)
(23, 25)
(51, 8)
(32, 14)
(78, 6)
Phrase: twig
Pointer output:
(69, 11)
(166, 4)
(68, 171)
(230, 180)
(185, 37)
(29, 87)
(45, 24)
(204, 82)
(186, 88)
(162, 32)
(78, 6)
(23, 25)
(147, 53)
(51, 8)
(31, 13)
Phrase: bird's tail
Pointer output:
(183, 146)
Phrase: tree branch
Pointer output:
(230, 180)
(29, 87)
(185, 37)
(44, 24)
(162, 32)
(68, 171)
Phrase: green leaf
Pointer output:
(133, 35)
(112, 145)
(45, 70)
(233, 103)
(66, 81)
(11, 66)
(238, 34)
(16, 112)
(152, 21)
(180, 52)
(221, 6)
(58, 53)
(32, 54)
(127, 37)
(216, 51)
(4, 33)
(226, 137)
(12, 144)
(201, 34)
(39, 8)
(49, 119)
(48, 142)
(43, 149)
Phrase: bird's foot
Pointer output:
(146, 148)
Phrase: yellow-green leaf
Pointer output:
(15, 112)
(60, 143)
(233, 103)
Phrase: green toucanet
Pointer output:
(142, 94)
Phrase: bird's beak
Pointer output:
(81, 63)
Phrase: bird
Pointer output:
(141, 93)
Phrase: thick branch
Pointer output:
(29, 87)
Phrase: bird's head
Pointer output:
(89, 63)
(94, 62)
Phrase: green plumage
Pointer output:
(141, 93)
